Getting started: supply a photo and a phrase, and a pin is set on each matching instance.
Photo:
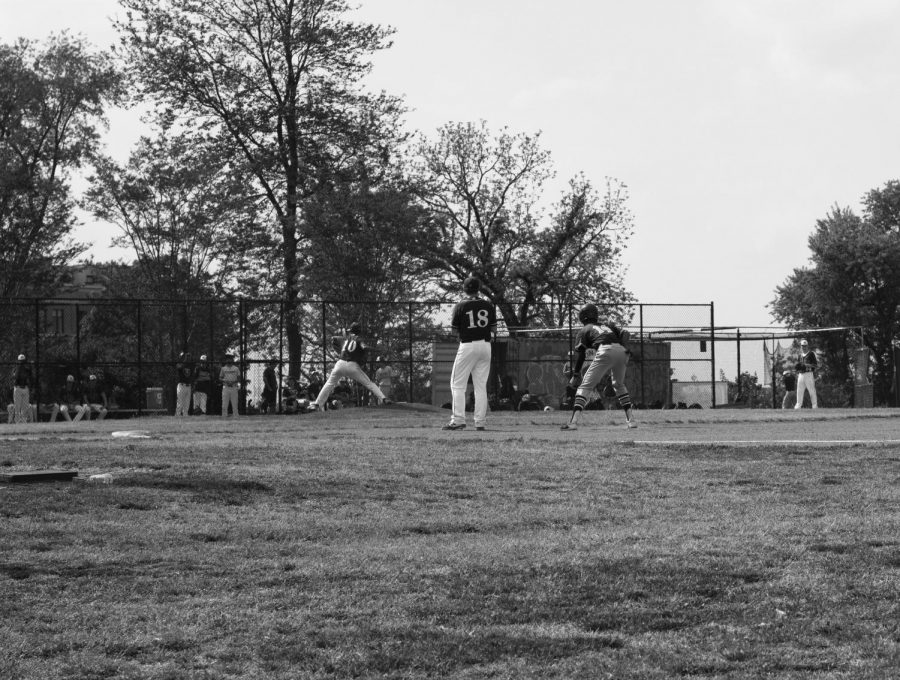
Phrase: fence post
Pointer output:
(712, 349)
(281, 350)
(643, 358)
(242, 392)
(324, 344)
(37, 351)
(740, 385)
(409, 324)
(78, 341)
(140, 367)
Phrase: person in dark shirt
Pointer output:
(270, 388)
(606, 342)
(95, 399)
(789, 380)
(20, 410)
(70, 398)
(201, 382)
(475, 321)
(353, 355)
(184, 375)
(806, 375)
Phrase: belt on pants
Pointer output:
(463, 342)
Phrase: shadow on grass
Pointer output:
(206, 488)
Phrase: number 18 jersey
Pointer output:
(474, 319)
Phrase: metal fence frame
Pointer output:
(641, 330)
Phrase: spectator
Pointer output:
(202, 385)
(789, 380)
(384, 377)
(230, 377)
(95, 399)
(20, 410)
(70, 398)
(184, 374)
(269, 399)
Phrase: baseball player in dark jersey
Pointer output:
(475, 320)
(184, 374)
(606, 342)
(23, 381)
(806, 375)
(353, 355)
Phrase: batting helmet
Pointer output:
(589, 314)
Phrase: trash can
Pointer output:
(155, 399)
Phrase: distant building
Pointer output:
(60, 314)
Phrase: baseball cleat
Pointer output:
(386, 402)
(631, 424)
(451, 426)
(479, 428)
(569, 426)
(313, 407)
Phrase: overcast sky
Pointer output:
(736, 124)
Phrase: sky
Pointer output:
(735, 124)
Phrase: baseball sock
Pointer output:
(625, 403)
(577, 408)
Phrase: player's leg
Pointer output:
(592, 377)
(620, 362)
(57, 409)
(226, 398)
(356, 373)
(333, 379)
(801, 389)
(459, 379)
(480, 372)
(811, 386)
(20, 400)
(79, 412)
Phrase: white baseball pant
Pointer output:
(182, 399)
(806, 381)
(21, 406)
(609, 358)
(472, 358)
(346, 369)
(230, 396)
(200, 401)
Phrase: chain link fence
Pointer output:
(133, 346)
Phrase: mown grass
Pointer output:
(344, 547)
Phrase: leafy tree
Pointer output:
(854, 280)
(178, 201)
(282, 79)
(51, 105)
(484, 194)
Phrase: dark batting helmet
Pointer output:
(589, 314)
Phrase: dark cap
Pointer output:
(471, 285)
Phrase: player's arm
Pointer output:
(580, 354)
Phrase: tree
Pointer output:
(282, 79)
(178, 202)
(854, 280)
(484, 194)
(51, 105)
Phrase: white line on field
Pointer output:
(697, 442)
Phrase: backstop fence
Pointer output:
(133, 347)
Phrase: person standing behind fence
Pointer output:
(789, 380)
(384, 376)
(353, 355)
(475, 320)
(806, 375)
(184, 373)
(201, 381)
(230, 377)
(23, 381)
(95, 399)
(70, 397)
(269, 399)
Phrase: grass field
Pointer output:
(369, 543)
